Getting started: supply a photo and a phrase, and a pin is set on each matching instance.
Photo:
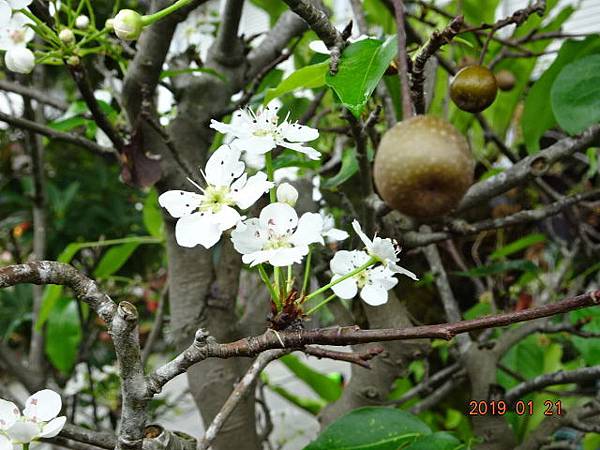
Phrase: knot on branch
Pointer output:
(201, 337)
(127, 312)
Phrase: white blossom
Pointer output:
(286, 193)
(8, 6)
(373, 282)
(329, 232)
(38, 420)
(14, 36)
(82, 22)
(277, 236)
(384, 250)
(260, 131)
(204, 217)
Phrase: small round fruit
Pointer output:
(505, 80)
(423, 167)
(473, 88)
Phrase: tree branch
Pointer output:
(33, 94)
(206, 347)
(55, 134)
(407, 106)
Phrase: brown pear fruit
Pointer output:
(423, 167)
(473, 88)
(505, 80)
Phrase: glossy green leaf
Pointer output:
(308, 77)
(371, 429)
(437, 441)
(348, 169)
(114, 259)
(575, 95)
(518, 245)
(537, 113)
(325, 387)
(152, 216)
(63, 335)
(361, 67)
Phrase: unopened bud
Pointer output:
(67, 36)
(73, 60)
(20, 60)
(128, 25)
(82, 22)
(109, 24)
(286, 193)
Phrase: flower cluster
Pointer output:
(15, 33)
(39, 419)
(279, 236)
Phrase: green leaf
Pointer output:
(63, 335)
(325, 387)
(537, 113)
(372, 429)
(437, 441)
(518, 245)
(362, 65)
(114, 259)
(152, 215)
(478, 310)
(348, 169)
(310, 405)
(592, 156)
(575, 95)
(308, 77)
(500, 267)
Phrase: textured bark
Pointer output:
(372, 386)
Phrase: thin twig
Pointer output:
(407, 106)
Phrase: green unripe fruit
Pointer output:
(423, 167)
(473, 88)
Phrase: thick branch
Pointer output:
(55, 134)
(33, 94)
(531, 166)
(205, 347)
(550, 379)
(241, 389)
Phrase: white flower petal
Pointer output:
(294, 132)
(223, 127)
(5, 13)
(19, 4)
(5, 443)
(308, 151)
(287, 256)
(224, 166)
(9, 413)
(335, 235)
(257, 257)
(346, 289)
(401, 270)
(382, 277)
(309, 230)
(197, 229)
(248, 237)
(345, 261)
(248, 193)
(180, 203)
(280, 218)
(286, 193)
(255, 144)
(19, 60)
(53, 427)
(384, 249)
(226, 218)
(363, 237)
(374, 295)
(43, 405)
(23, 431)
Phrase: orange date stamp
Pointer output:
(521, 408)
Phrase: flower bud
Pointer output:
(82, 22)
(73, 60)
(19, 59)
(286, 193)
(109, 24)
(128, 25)
(66, 36)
